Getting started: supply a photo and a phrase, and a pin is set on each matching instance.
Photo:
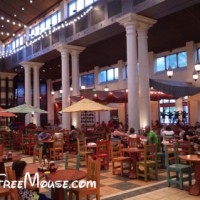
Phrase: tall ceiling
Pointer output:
(176, 25)
(22, 12)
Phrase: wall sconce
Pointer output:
(61, 90)
(52, 92)
(106, 88)
(169, 72)
(71, 88)
(197, 67)
(195, 75)
(82, 87)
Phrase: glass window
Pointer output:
(171, 61)
(72, 8)
(21, 40)
(87, 80)
(17, 42)
(102, 76)
(116, 73)
(88, 2)
(182, 59)
(13, 44)
(110, 74)
(160, 64)
(37, 30)
(42, 26)
(59, 16)
(80, 5)
(33, 32)
(124, 72)
(48, 23)
(54, 19)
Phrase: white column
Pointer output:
(50, 106)
(27, 86)
(63, 10)
(75, 80)
(65, 85)
(144, 96)
(132, 81)
(36, 91)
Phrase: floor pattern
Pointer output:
(115, 187)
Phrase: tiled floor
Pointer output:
(114, 187)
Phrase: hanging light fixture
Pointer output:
(197, 67)
(195, 75)
(61, 90)
(170, 72)
(52, 92)
(106, 88)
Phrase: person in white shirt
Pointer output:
(168, 134)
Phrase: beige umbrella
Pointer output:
(86, 105)
(6, 114)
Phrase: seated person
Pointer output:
(168, 134)
(44, 135)
(189, 134)
(150, 134)
(73, 134)
(118, 135)
(28, 191)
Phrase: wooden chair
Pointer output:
(160, 154)
(149, 161)
(66, 159)
(102, 152)
(1, 149)
(184, 148)
(81, 150)
(124, 163)
(4, 192)
(17, 137)
(179, 169)
(93, 174)
(12, 177)
(57, 150)
(37, 153)
(133, 142)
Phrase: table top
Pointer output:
(14, 158)
(67, 175)
(193, 158)
(47, 141)
(133, 150)
(32, 168)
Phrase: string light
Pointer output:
(46, 33)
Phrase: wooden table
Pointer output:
(14, 158)
(133, 152)
(195, 189)
(65, 175)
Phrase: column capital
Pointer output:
(31, 64)
(70, 48)
(136, 20)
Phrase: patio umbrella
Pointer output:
(85, 105)
(6, 114)
(25, 108)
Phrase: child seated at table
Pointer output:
(29, 191)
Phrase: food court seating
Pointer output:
(178, 170)
(93, 174)
(149, 163)
(124, 163)
(82, 150)
(4, 192)
(37, 154)
(57, 150)
(12, 177)
(102, 152)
